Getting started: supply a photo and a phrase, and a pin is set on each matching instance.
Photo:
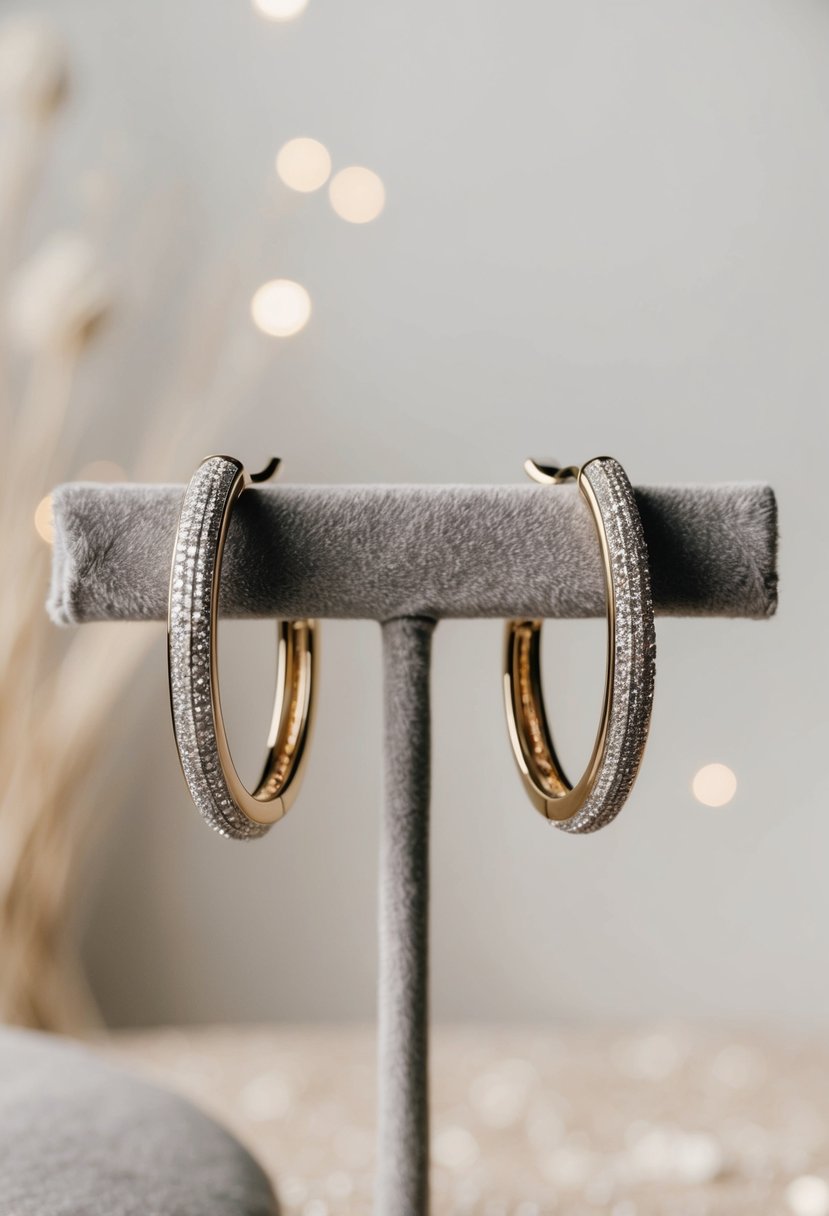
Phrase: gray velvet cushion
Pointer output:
(80, 1138)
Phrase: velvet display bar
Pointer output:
(407, 556)
(382, 552)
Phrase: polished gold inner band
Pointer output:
(294, 700)
(542, 773)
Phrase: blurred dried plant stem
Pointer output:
(58, 691)
(47, 729)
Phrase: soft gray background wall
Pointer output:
(607, 230)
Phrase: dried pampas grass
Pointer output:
(58, 691)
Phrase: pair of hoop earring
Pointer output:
(233, 810)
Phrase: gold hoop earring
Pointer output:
(599, 794)
(192, 621)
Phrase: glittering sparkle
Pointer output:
(634, 646)
(602, 1122)
(192, 578)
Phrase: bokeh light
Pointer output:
(102, 470)
(303, 164)
(808, 1195)
(44, 520)
(281, 308)
(357, 194)
(279, 10)
(714, 785)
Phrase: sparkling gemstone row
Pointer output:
(191, 682)
(635, 648)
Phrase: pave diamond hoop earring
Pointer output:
(192, 622)
(598, 796)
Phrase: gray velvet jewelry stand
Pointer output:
(407, 556)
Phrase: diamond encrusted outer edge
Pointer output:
(196, 565)
(634, 648)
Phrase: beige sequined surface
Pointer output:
(653, 1122)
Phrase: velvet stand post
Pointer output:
(407, 556)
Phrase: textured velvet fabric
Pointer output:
(402, 1183)
(381, 552)
(407, 556)
(80, 1138)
